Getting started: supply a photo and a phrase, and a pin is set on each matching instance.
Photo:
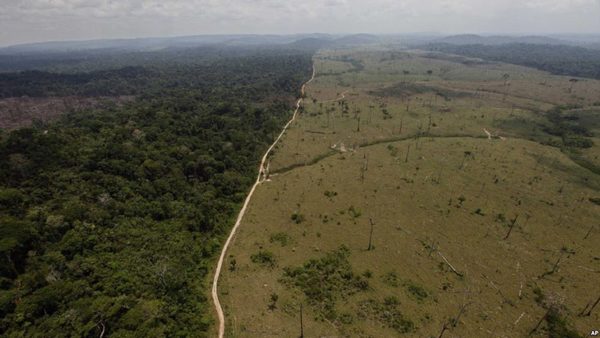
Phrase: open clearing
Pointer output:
(471, 235)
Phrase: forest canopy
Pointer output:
(110, 218)
(556, 59)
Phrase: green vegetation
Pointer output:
(330, 194)
(558, 326)
(297, 217)
(264, 258)
(391, 279)
(466, 210)
(416, 291)
(569, 128)
(326, 280)
(387, 313)
(557, 59)
(110, 218)
(280, 237)
(406, 89)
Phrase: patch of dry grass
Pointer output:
(468, 232)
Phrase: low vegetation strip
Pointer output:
(330, 153)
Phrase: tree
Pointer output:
(573, 81)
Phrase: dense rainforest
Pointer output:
(110, 218)
(556, 59)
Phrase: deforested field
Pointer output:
(428, 195)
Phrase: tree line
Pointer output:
(110, 219)
(556, 59)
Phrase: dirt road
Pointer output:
(260, 179)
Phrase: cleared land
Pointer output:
(481, 197)
(17, 112)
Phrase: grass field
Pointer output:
(471, 235)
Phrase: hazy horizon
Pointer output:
(29, 21)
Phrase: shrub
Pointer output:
(330, 194)
(273, 303)
(417, 291)
(558, 326)
(297, 217)
(355, 213)
(387, 313)
(264, 258)
(325, 280)
(390, 279)
(280, 237)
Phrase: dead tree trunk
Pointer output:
(429, 125)
(454, 321)
(588, 233)
(444, 328)
(539, 323)
(370, 235)
(301, 323)
(512, 225)
(587, 312)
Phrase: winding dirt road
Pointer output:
(259, 179)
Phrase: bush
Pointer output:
(417, 291)
(390, 279)
(558, 327)
(297, 217)
(354, 212)
(280, 237)
(323, 281)
(330, 194)
(387, 313)
(264, 258)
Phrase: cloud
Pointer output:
(29, 20)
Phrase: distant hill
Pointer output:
(311, 43)
(357, 39)
(36, 55)
(473, 39)
(153, 44)
(557, 59)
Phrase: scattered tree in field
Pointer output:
(466, 154)
(297, 217)
(506, 76)
(264, 258)
(573, 82)
(370, 235)
(273, 301)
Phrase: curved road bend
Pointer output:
(259, 179)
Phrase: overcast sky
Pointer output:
(42, 20)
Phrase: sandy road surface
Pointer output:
(259, 179)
